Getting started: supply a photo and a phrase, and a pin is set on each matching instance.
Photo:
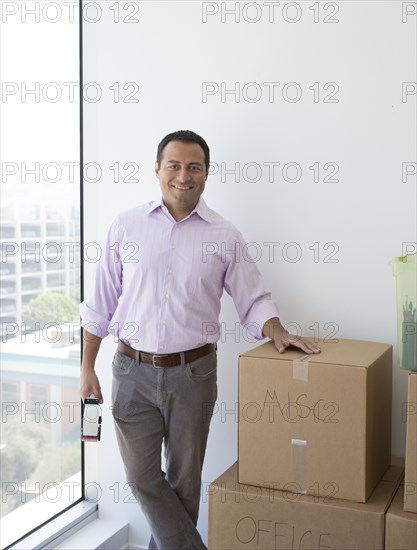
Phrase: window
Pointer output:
(41, 454)
(9, 392)
(38, 397)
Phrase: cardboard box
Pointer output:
(410, 482)
(400, 526)
(310, 422)
(244, 516)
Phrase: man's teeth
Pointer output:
(181, 187)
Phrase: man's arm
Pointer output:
(98, 309)
(89, 383)
(243, 281)
(282, 339)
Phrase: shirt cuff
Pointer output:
(259, 315)
(93, 321)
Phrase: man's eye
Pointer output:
(195, 168)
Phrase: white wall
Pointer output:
(369, 133)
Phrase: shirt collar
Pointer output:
(201, 208)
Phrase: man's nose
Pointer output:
(183, 175)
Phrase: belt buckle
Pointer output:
(156, 356)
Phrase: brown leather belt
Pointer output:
(166, 360)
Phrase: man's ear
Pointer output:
(156, 169)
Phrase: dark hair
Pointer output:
(187, 136)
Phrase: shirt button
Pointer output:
(164, 323)
(169, 271)
(173, 246)
(161, 348)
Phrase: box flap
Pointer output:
(378, 502)
(339, 352)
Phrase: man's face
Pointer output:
(182, 175)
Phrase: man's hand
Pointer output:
(283, 339)
(286, 339)
(90, 385)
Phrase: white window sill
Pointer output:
(100, 534)
(58, 529)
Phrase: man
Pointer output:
(157, 288)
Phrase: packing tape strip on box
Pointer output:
(300, 368)
(299, 465)
(299, 446)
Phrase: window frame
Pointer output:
(79, 513)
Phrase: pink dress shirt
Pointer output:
(159, 282)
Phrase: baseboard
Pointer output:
(99, 535)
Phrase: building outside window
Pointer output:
(41, 453)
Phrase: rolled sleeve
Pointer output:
(98, 308)
(243, 281)
(93, 321)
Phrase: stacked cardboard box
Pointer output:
(400, 526)
(309, 420)
(410, 482)
(401, 519)
(314, 445)
(245, 516)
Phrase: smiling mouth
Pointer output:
(182, 187)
